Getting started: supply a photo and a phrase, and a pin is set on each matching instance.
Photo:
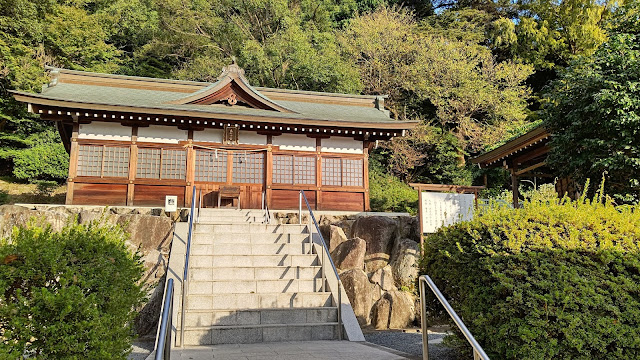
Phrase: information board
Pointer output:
(442, 209)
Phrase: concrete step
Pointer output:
(248, 238)
(254, 286)
(249, 229)
(259, 333)
(225, 219)
(204, 261)
(250, 249)
(258, 301)
(258, 273)
(243, 317)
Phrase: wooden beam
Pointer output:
(514, 188)
(133, 165)
(269, 171)
(446, 187)
(367, 206)
(191, 169)
(532, 167)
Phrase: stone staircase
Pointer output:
(251, 282)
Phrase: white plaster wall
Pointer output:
(251, 138)
(209, 135)
(162, 134)
(344, 145)
(99, 130)
(295, 142)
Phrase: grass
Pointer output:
(28, 193)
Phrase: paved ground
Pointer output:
(294, 350)
(410, 342)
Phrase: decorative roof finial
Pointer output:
(231, 70)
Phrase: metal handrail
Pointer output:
(185, 276)
(326, 251)
(163, 350)
(478, 353)
(199, 205)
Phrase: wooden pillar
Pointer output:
(133, 165)
(269, 171)
(365, 171)
(514, 188)
(73, 162)
(318, 174)
(191, 171)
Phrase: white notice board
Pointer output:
(442, 209)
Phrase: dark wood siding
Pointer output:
(152, 195)
(99, 194)
(348, 201)
(288, 199)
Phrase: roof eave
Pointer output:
(37, 99)
(510, 147)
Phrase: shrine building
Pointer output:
(135, 140)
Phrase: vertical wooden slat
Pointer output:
(319, 174)
(229, 167)
(73, 162)
(269, 170)
(365, 161)
(133, 165)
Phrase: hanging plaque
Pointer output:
(230, 135)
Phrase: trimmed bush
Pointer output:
(68, 294)
(554, 280)
(48, 161)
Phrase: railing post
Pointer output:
(423, 319)
(339, 309)
(185, 274)
(300, 207)
(163, 348)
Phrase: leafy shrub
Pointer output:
(388, 193)
(67, 294)
(48, 161)
(553, 280)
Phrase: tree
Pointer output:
(458, 85)
(594, 112)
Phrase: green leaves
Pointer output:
(555, 279)
(63, 298)
(593, 111)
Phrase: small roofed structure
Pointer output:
(524, 156)
(135, 140)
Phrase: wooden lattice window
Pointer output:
(211, 165)
(342, 172)
(248, 167)
(290, 169)
(103, 161)
(156, 163)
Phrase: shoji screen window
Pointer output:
(154, 163)
(342, 172)
(248, 167)
(103, 161)
(290, 169)
(211, 165)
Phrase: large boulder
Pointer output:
(333, 236)
(408, 228)
(13, 215)
(404, 262)
(378, 232)
(350, 254)
(358, 288)
(383, 278)
(402, 312)
(147, 232)
(380, 314)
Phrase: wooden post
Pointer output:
(133, 165)
(73, 162)
(318, 174)
(190, 169)
(365, 150)
(514, 187)
(269, 171)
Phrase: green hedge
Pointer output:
(68, 294)
(554, 280)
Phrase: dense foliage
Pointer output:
(387, 192)
(554, 280)
(67, 294)
(594, 112)
(470, 69)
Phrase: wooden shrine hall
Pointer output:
(134, 140)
